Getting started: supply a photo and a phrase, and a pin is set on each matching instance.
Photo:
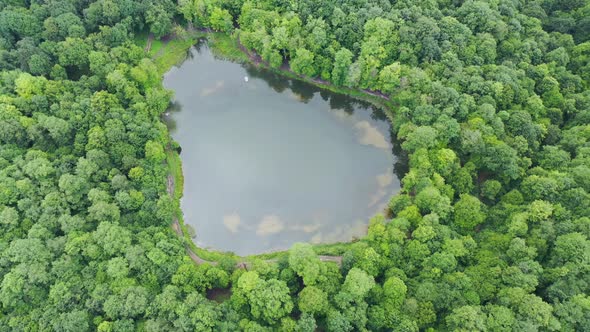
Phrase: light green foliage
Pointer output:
(131, 303)
(303, 64)
(468, 213)
(431, 200)
(499, 318)
(117, 268)
(268, 300)
(221, 20)
(575, 313)
(342, 62)
(306, 323)
(187, 9)
(154, 152)
(421, 137)
(313, 300)
(159, 19)
(571, 248)
(394, 293)
(363, 257)
(529, 309)
(304, 261)
(389, 78)
(358, 283)
(75, 52)
(145, 74)
(72, 321)
(27, 85)
(190, 278)
(467, 318)
(491, 188)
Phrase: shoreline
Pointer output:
(229, 48)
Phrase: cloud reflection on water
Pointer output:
(370, 135)
(270, 224)
(232, 222)
(211, 90)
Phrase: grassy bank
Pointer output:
(325, 249)
(165, 56)
(226, 47)
(175, 167)
(174, 52)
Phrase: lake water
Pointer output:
(269, 161)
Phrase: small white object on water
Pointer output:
(245, 78)
(167, 113)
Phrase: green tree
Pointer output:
(303, 63)
(313, 300)
(305, 262)
(268, 301)
(389, 78)
(159, 19)
(468, 213)
(394, 293)
(467, 318)
(306, 323)
(221, 19)
(358, 283)
(431, 200)
(74, 52)
(342, 62)
(421, 137)
(574, 314)
(72, 321)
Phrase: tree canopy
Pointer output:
(490, 104)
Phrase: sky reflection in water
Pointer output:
(273, 161)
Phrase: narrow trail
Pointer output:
(148, 44)
(241, 264)
(254, 58)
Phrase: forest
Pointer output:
(490, 231)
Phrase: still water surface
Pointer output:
(269, 161)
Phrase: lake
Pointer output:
(270, 161)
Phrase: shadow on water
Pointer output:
(401, 165)
(201, 46)
(273, 80)
(174, 107)
(303, 90)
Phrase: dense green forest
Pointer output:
(489, 233)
